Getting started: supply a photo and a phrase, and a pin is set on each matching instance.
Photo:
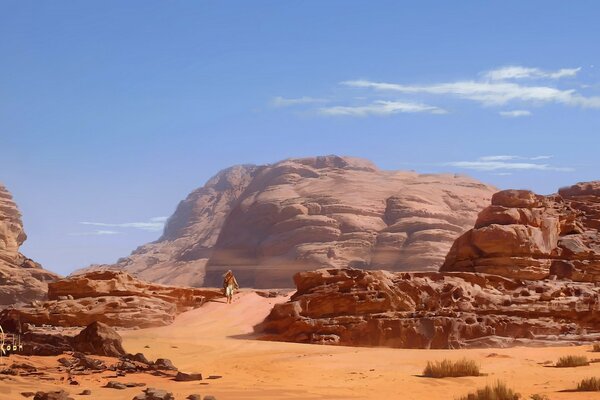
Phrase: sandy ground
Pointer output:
(214, 340)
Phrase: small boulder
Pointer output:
(164, 364)
(115, 385)
(194, 397)
(58, 395)
(154, 394)
(183, 377)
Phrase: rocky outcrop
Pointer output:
(433, 310)
(269, 222)
(111, 297)
(528, 236)
(21, 279)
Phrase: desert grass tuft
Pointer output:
(589, 385)
(572, 361)
(499, 391)
(447, 368)
(596, 347)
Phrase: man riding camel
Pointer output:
(229, 285)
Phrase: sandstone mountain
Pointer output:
(268, 222)
(21, 279)
(528, 236)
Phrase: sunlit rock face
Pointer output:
(21, 279)
(528, 236)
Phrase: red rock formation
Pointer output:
(433, 310)
(528, 236)
(268, 222)
(21, 279)
(111, 297)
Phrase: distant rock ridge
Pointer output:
(268, 222)
(529, 236)
(21, 279)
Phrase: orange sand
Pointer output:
(215, 340)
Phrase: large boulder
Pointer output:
(529, 236)
(99, 339)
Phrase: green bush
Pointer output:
(572, 361)
(589, 385)
(497, 392)
(447, 368)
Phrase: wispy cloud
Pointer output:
(155, 224)
(515, 113)
(96, 233)
(518, 72)
(487, 93)
(516, 86)
(508, 163)
(288, 102)
(381, 107)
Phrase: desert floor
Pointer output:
(215, 340)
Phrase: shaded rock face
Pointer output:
(528, 236)
(433, 310)
(111, 297)
(269, 222)
(21, 279)
(99, 339)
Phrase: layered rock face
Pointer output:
(21, 279)
(269, 222)
(111, 297)
(528, 236)
(433, 310)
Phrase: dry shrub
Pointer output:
(447, 368)
(499, 391)
(589, 385)
(572, 361)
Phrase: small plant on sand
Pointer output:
(447, 368)
(539, 397)
(589, 385)
(572, 361)
(596, 347)
(499, 391)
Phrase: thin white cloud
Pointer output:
(96, 233)
(541, 158)
(487, 93)
(381, 107)
(288, 102)
(155, 224)
(497, 158)
(518, 72)
(515, 113)
(507, 163)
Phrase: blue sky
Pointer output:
(112, 111)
